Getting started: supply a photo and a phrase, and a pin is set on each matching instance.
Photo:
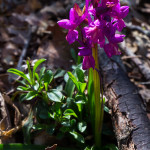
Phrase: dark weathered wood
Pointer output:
(130, 121)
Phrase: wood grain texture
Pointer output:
(130, 121)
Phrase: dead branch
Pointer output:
(130, 121)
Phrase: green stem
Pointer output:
(98, 100)
(91, 97)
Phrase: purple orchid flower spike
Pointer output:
(102, 18)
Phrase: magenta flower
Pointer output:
(95, 33)
(119, 13)
(102, 19)
(76, 17)
(88, 62)
(86, 49)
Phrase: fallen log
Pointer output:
(130, 121)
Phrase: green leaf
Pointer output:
(106, 109)
(54, 95)
(30, 95)
(19, 73)
(22, 88)
(37, 63)
(69, 88)
(80, 86)
(23, 82)
(73, 78)
(66, 123)
(37, 77)
(82, 126)
(22, 97)
(42, 72)
(59, 73)
(70, 112)
(48, 77)
(80, 99)
(78, 136)
(66, 77)
(80, 75)
(36, 86)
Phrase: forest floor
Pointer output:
(29, 29)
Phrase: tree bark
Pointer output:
(130, 121)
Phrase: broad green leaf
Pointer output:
(80, 75)
(30, 95)
(66, 123)
(78, 136)
(59, 73)
(22, 88)
(70, 112)
(23, 82)
(22, 97)
(36, 86)
(54, 95)
(66, 77)
(80, 99)
(37, 63)
(37, 77)
(106, 109)
(80, 86)
(19, 73)
(48, 77)
(73, 78)
(69, 88)
(42, 71)
(82, 126)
